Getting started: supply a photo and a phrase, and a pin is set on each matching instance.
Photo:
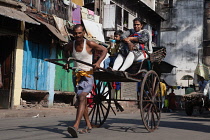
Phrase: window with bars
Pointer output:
(56, 7)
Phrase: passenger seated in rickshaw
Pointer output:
(113, 50)
(136, 42)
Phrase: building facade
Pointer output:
(183, 34)
(42, 27)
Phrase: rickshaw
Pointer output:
(148, 98)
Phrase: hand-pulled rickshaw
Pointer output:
(148, 98)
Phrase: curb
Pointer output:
(35, 113)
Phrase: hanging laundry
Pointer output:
(90, 12)
(76, 15)
(90, 15)
(84, 12)
(174, 87)
(118, 85)
(96, 18)
(114, 85)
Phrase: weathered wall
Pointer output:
(18, 69)
(182, 35)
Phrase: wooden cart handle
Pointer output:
(71, 58)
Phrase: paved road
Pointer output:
(174, 126)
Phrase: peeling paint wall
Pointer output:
(182, 35)
(18, 68)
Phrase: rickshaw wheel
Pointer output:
(100, 103)
(150, 101)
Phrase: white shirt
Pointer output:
(83, 56)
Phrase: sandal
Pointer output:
(72, 131)
(85, 130)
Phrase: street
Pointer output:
(124, 126)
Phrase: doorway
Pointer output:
(7, 47)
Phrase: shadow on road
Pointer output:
(176, 120)
(126, 129)
(196, 122)
(53, 128)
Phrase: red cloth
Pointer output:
(114, 86)
(90, 99)
(172, 101)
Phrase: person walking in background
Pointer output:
(202, 83)
(81, 49)
(163, 92)
(172, 100)
(206, 92)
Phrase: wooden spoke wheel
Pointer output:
(150, 101)
(100, 103)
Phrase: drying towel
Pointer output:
(90, 12)
(76, 15)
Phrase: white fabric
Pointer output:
(206, 90)
(66, 2)
(94, 30)
(130, 59)
(118, 62)
(74, 6)
(102, 62)
(83, 56)
(109, 16)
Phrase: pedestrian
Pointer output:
(81, 49)
(137, 42)
(206, 91)
(163, 91)
(172, 100)
(202, 83)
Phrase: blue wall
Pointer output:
(35, 69)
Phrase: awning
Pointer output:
(51, 28)
(17, 15)
(164, 67)
(60, 24)
(202, 70)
